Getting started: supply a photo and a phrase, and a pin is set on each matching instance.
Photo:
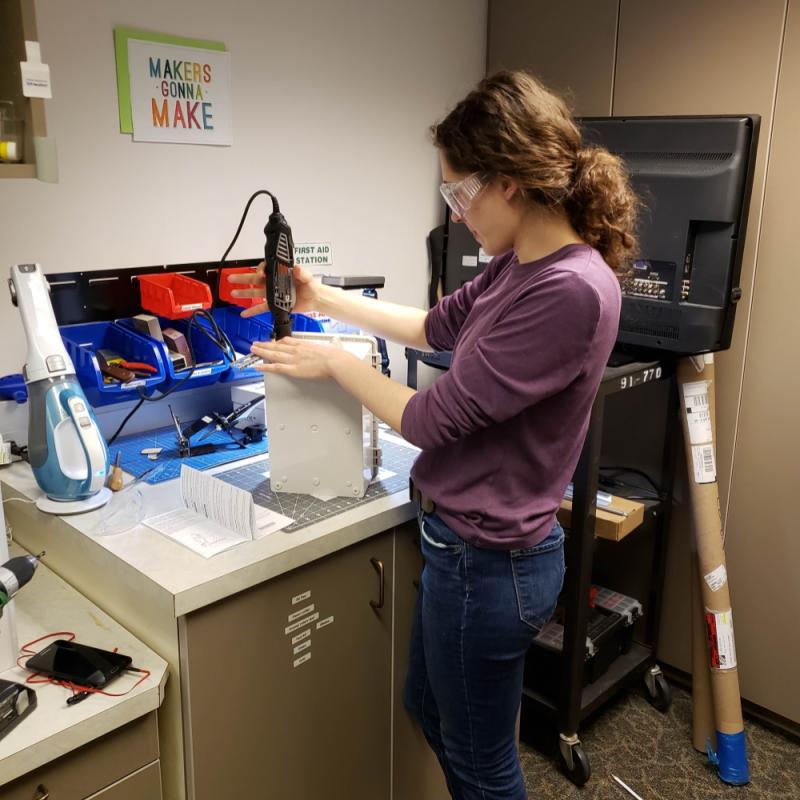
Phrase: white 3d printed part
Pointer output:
(316, 429)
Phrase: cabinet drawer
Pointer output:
(93, 767)
(142, 785)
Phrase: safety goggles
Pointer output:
(459, 195)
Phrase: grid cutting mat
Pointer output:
(306, 510)
(168, 461)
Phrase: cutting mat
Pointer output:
(168, 461)
(306, 510)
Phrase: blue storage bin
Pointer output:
(12, 387)
(83, 340)
(204, 350)
(243, 331)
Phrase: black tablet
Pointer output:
(78, 663)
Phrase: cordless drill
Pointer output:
(14, 574)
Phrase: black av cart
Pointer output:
(631, 443)
(632, 432)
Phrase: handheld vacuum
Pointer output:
(66, 450)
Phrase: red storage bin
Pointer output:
(225, 288)
(173, 295)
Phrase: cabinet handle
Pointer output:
(41, 793)
(378, 564)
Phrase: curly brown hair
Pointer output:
(512, 125)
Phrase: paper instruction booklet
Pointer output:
(215, 515)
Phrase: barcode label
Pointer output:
(191, 306)
(698, 412)
(705, 469)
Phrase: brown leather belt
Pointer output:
(419, 497)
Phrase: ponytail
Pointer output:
(602, 207)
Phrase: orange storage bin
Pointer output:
(173, 295)
(225, 288)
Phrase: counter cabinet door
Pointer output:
(288, 685)
(417, 774)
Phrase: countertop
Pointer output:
(45, 605)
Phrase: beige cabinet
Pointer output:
(122, 765)
(289, 683)
(295, 687)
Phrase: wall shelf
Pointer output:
(18, 24)
(17, 170)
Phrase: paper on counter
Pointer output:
(194, 531)
(215, 515)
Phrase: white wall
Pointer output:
(331, 105)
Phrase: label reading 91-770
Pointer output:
(638, 378)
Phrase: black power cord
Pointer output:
(275, 210)
(609, 480)
(215, 335)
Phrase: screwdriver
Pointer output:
(115, 474)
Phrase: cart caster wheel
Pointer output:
(580, 770)
(658, 692)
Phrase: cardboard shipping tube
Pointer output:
(702, 705)
(695, 380)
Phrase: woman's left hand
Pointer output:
(298, 359)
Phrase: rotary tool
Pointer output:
(278, 268)
(278, 265)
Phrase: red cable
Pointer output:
(26, 652)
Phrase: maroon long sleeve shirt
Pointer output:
(502, 430)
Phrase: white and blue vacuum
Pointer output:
(66, 450)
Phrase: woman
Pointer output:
(501, 431)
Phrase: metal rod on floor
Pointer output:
(626, 787)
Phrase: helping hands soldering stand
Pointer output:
(216, 422)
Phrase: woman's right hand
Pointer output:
(305, 284)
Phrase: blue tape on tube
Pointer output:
(730, 758)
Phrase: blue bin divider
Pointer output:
(243, 331)
(83, 340)
(204, 350)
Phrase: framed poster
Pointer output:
(173, 89)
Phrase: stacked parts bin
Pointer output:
(82, 341)
(205, 353)
(173, 295)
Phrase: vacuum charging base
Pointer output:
(63, 507)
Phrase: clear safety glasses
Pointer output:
(459, 195)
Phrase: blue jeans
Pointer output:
(477, 612)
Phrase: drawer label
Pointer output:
(299, 598)
(302, 612)
(301, 623)
(300, 636)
